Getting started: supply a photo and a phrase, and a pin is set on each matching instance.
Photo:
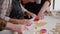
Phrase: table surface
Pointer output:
(51, 23)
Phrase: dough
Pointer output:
(40, 24)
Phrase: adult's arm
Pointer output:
(43, 9)
(28, 12)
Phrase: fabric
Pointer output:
(1, 2)
(16, 10)
(5, 9)
(38, 1)
(34, 7)
(5, 6)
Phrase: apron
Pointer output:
(16, 11)
(34, 7)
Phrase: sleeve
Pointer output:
(4, 10)
(2, 16)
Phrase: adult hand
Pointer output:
(30, 14)
(33, 15)
(40, 16)
(24, 21)
(16, 27)
(19, 28)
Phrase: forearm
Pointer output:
(16, 21)
(44, 7)
(26, 11)
(13, 21)
(23, 9)
(7, 19)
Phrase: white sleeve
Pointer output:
(4, 10)
(4, 17)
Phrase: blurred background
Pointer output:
(55, 5)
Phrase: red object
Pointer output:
(36, 19)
